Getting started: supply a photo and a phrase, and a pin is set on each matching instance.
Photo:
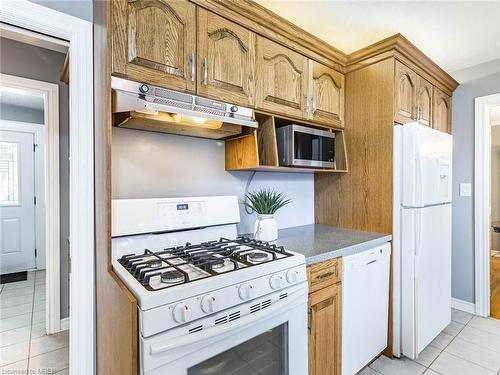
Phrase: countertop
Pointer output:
(322, 242)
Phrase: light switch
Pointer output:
(465, 189)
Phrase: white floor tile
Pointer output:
(15, 322)
(430, 372)
(402, 366)
(476, 354)
(54, 361)
(460, 316)
(14, 353)
(441, 341)
(39, 317)
(15, 336)
(50, 343)
(9, 312)
(27, 290)
(482, 338)
(454, 328)
(368, 371)
(13, 301)
(39, 305)
(63, 372)
(38, 330)
(486, 324)
(20, 367)
(429, 354)
(448, 364)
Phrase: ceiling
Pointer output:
(454, 34)
(20, 98)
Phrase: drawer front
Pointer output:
(324, 274)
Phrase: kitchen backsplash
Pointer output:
(152, 165)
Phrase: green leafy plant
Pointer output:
(265, 201)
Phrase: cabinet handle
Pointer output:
(306, 106)
(309, 317)
(205, 71)
(313, 104)
(327, 274)
(193, 67)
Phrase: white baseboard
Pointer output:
(463, 305)
(64, 324)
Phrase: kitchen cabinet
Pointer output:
(405, 81)
(281, 85)
(424, 101)
(154, 41)
(326, 94)
(324, 325)
(441, 111)
(226, 60)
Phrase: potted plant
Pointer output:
(265, 202)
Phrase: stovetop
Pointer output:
(169, 267)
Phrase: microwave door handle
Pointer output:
(277, 309)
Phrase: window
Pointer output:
(9, 174)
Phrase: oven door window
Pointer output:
(266, 354)
(313, 147)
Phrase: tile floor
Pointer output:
(470, 345)
(24, 345)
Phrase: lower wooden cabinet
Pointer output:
(324, 325)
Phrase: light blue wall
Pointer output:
(78, 8)
(463, 171)
(17, 113)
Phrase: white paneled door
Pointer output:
(17, 201)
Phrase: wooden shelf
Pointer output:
(258, 150)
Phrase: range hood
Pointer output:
(138, 105)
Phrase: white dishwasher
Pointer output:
(365, 307)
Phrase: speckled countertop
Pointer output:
(321, 242)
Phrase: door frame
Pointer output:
(482, 201)
(41, 231)
(78, 32)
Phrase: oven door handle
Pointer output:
(240, 324)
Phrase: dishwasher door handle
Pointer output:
(373, 261)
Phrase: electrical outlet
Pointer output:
(465, 189)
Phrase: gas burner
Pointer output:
(218, 263)
(257, 256)
(172, 277)
(154, 263)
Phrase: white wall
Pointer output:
(148, 165)
(495, 183)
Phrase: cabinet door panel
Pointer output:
(441, 111)
(281, 79)
(324, 333)
(327, 94)
(226, 59)
(154, 41)
(405, 88)
(424, 101)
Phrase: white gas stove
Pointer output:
(210, 302)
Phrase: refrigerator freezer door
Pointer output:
(426, 276)
(427, 155)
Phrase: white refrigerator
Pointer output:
(422, 236)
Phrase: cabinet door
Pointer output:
(281, 79)
(154, 41)
(424, 101)
(324, 331)
(441, 111)
(226, 59)
(326, 92)
(405, 88)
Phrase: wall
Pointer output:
(463, 171)
(78, 8)
(149, 165)
(17, 113)
(37, 63)
(495, 183)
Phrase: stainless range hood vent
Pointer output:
(139, 97)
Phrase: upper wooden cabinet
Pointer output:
(405, 81)
(281, 84)
(226, 59)
(441, 111)
(424, 101)
(154, 41)
(326, 93)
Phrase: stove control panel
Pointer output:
(182, 312)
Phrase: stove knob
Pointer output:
(144, 88)
(182, 312)
(292, 276)
(276, 281)
(209, 304)
(245, 291)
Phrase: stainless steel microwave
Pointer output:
(301, 146)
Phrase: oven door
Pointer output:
(313, 147)
(270, 341)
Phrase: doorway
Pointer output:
(495, 213)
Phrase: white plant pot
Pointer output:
(265, 228)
